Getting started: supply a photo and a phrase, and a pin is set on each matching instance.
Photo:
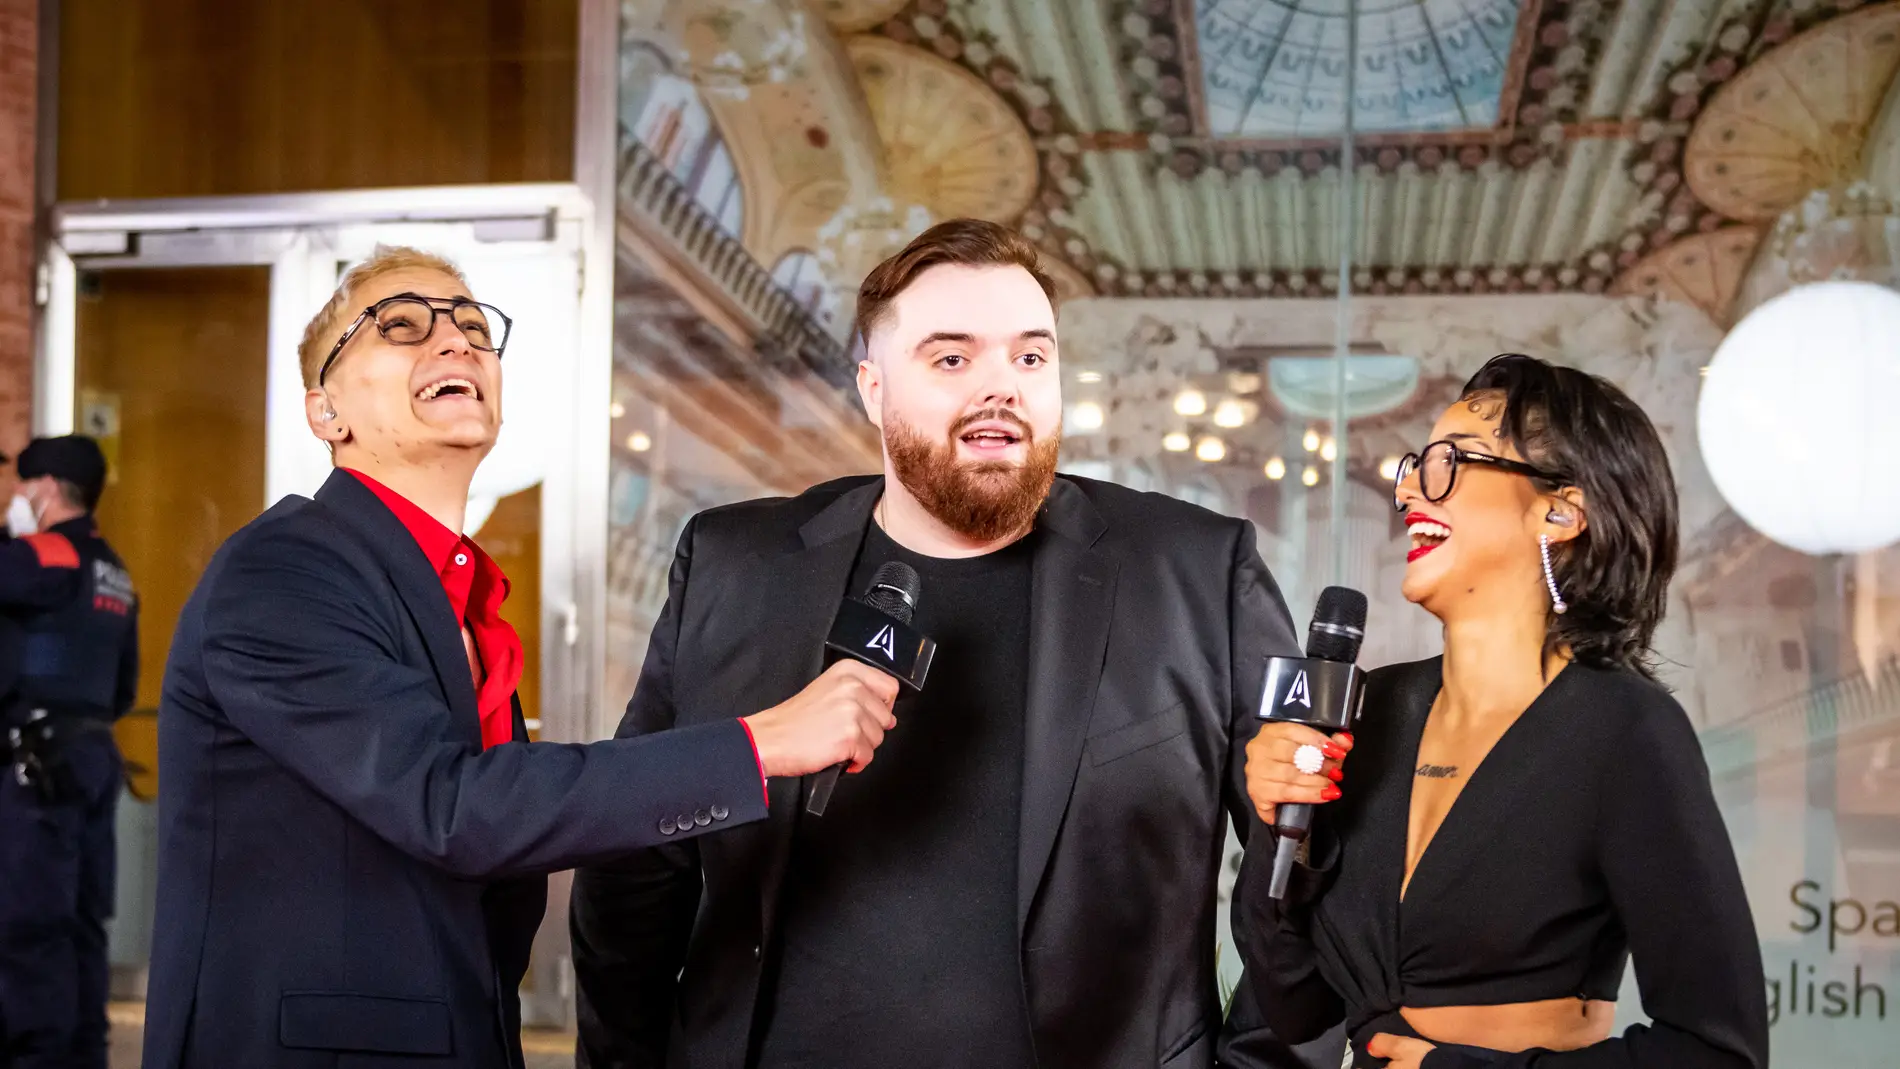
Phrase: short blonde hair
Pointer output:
(321, 335)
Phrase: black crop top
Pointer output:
(1589, 833)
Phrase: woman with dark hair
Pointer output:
(1529, 811)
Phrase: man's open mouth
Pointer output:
(986, 436)
(450, 387)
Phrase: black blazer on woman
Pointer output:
(345, 877)
(1588, 835)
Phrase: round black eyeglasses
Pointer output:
(1437, 469)
(409, 319)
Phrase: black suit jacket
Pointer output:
(345, 877)
(1150, 623)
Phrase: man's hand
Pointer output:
(840, 716)
(1400, 1052)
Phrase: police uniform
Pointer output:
(69, 666)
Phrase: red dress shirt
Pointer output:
(476, 588)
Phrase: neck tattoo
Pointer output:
(1437, 771)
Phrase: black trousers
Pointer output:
(56, 894)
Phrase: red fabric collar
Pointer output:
(475, 587)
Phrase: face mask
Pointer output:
(22, 519)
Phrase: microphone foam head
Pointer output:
(895, 588)
(1339, 625)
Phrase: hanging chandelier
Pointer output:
(864, 234)
(732, 46)
(1844, 233)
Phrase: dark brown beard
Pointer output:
(982, 501)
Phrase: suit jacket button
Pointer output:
(755, 952)
(720, 812)
(667, 827)
(702, 818)
(685, 822)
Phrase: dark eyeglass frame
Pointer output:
(440, 306)
(1415, 462)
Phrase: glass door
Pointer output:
(170, 335)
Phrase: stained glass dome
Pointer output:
(1276, 68)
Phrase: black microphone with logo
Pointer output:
(1322, 690)
(875, 629)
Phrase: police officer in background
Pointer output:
(69, 635)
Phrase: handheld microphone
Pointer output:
(1321, 690)
(875, 629)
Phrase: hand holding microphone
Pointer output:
(1274, 776)
(1313, 702)
(839, 718)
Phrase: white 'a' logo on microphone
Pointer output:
(1299, 693)
(885, 640)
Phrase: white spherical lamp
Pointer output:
(1799, 420)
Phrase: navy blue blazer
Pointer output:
(345, 877)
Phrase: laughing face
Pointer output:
(408, 402)
(962, 379)
(1480, 543)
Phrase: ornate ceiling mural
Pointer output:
(1704, 270)
(949, 142)
(1189, 148)
(1794, 121)
(1277, 68)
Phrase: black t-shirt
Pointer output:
(898, 943)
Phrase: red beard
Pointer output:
(984, 500)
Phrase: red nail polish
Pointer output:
(1344, 737)
(1335, 774)
(1329, 794)
(1333, 750)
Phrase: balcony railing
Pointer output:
(789, 338)
(1794, 727)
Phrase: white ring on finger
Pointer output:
(1309, 759)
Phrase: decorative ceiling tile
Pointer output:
(1703, 269)
(1277, 68)
(1502, 146)
(1794, 121)
(950, 143)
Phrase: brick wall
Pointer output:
(19, 86)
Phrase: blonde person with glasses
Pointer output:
(354, 829)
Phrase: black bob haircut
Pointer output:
(1615, 575)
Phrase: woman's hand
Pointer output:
(1272, 778)
(1400, 1052)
